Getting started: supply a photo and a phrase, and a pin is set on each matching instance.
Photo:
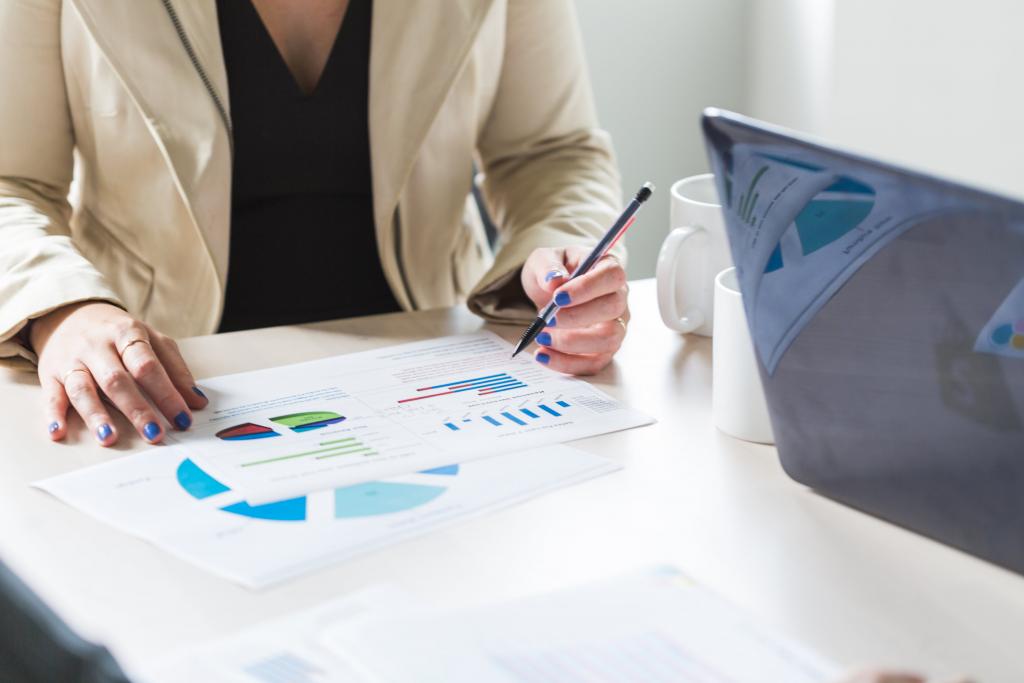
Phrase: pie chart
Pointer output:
(304, 422)
(363, 500)
(828, 216)
(245, 431)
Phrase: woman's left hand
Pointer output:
(591, 322)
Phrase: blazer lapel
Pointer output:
(416, 52)
(142, 45)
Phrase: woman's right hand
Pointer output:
(93, 349)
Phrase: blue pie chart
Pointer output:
(828, 216)
(361, 500)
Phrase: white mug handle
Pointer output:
(667, 274)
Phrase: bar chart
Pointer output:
(513, 417)
(483, 386)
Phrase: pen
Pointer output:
(618, 229)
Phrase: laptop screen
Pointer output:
(886, 309)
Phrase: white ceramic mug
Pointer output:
(737, 396)
(695, 251)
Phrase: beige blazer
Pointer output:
(130, 99)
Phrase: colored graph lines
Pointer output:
(749, 198)
(483, 386)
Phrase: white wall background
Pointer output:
(655, 64)
(937, 85)
(789, 61)
(932, 84)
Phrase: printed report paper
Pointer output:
(284, 650)
(290, 430)
(801, 226)
(165, 497)
(657, 627)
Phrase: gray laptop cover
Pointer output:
(887, 313)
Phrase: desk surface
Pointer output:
(858, 589)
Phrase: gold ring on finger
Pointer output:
(64, 377)
(133, 341)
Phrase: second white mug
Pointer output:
(737, 395)
(694, 252)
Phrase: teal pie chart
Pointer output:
(828, 216)
(362, 500)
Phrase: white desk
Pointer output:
(858, 589)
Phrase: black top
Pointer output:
(303, 246)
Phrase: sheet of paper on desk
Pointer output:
(294, 429)
(285, 650)
(655, 627)
(164, 497)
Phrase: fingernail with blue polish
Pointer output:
(552, 275)
(198, 392)
(551, 323)
(544, 339)
(182, 420)
(54, 426)
(151, 430)
(543, 358)
(563, 299)
(103, 432)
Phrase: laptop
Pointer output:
(886, 309)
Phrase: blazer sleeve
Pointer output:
(40, 269)
(550, 177)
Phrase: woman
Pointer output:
(243, 163)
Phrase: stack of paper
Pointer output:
(323, 460)
(657, 626)
(293, 429)
(163, 496)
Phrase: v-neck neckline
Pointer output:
(283, 63)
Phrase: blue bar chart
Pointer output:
(511, 417)
(483, 386)
(549, 410)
